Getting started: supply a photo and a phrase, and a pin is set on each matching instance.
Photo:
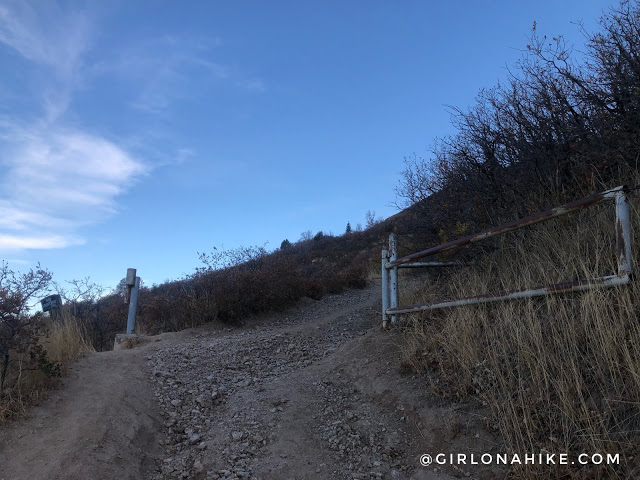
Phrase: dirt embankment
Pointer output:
(310, 393)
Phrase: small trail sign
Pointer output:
(51, 302)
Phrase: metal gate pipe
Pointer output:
(429, 264)
(580, 285)
(530, 220)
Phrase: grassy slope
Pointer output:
(560, 373)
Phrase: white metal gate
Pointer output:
(390, 262)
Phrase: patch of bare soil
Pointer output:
(102, 423)
(311, 393)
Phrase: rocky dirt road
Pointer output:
(311, 393)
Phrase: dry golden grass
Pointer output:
(560, 373)
(64, 342)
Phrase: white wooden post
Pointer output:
(385, 287)
(393, 277)
(133, 286)
(623, 234)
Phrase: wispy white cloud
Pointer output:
(51, 38)
(56, 181)
(182, 155)
(10, 243)
(45, 35)
(14, 218)
(173, 68)
(254, 85)
(166, 69)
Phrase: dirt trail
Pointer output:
(310, 393)
(103, 423)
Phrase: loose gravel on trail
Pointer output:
(313, 392)
(270, 402)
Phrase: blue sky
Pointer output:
(137, 133)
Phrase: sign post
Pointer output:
(131, 296)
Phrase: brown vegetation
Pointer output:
(34, 349)
(560, 373)
(235, 283)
